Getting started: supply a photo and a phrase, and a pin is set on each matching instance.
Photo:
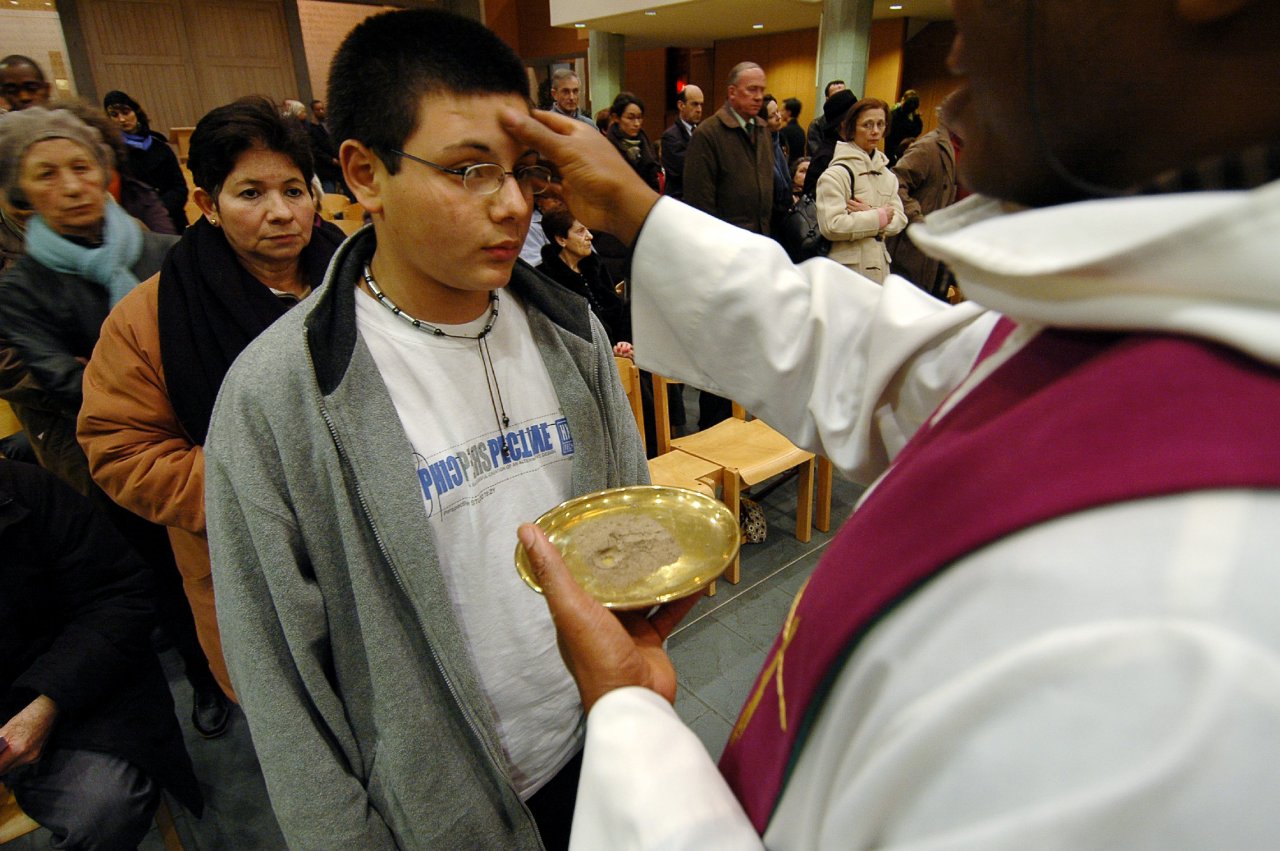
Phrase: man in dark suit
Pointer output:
(675, 141)
(791, 136)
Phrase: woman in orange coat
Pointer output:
(150, 386)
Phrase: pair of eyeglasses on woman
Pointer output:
(487, 178)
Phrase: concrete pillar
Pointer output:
(605, 65)
(844, 45)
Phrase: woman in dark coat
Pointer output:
(567, 259)
(627, 136)
(151, 160)
(88, 736)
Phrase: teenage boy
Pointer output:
(369, 459)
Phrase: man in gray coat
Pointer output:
(728, 172)
(371, 454)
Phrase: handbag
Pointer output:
(801, 236)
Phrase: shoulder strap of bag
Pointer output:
(846, 168)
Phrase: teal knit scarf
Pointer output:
(109, 265)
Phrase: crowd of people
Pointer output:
(336, 438)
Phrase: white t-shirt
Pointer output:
(475, 498)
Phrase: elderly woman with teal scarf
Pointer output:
(83, 255)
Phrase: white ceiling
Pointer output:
(698, 23)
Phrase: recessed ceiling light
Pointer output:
(651, 12)
(757, 26)
(580, 26)
(896, 6)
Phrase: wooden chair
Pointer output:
(180, 138)
(14, 823)
(749, 452)
(354, 212)
(348, 226)
(333, 203)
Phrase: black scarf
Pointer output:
(210, 308)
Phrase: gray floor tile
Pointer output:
(705, 652)
(713, 731)
(757, 615)
(726, 692)
(688, 706)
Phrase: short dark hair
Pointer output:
(315, 101)
(850, 119)
(681, 96)
(390, 62)
(827, 89)
(793, 106)
(248, 123)
(624, 100)
(116, 97)
(18, 59)
(557, 224)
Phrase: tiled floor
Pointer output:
(717, 652)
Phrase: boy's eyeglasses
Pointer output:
(487, 178)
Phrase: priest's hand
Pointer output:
(603, 650)
(602, 190)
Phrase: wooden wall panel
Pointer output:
(324, 26)
(925, 68)
(181, 58)
(539, 40)
(243, 49)
(140, 47)
(645, 77)
(884, 65)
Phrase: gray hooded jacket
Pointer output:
(344, 650)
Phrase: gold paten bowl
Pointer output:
(702, 528)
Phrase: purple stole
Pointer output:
(1073, 421)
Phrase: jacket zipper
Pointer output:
(435, 657)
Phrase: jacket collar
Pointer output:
(331, 322)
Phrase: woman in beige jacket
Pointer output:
(858, 203)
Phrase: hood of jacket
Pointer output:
(1206, 264)
(859, 160)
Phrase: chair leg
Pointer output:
(732, 489)
(826, 470)
(804, 503)
(168, 830)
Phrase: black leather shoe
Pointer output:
(210, 712)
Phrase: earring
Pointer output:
(213, 220)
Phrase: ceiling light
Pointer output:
(580, 26)
(651, 13)
(757, 26)
(895, 7)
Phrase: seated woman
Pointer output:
(858, 203)
(150, 386)
(627, 114)
(83, 255)
(151, 160)
(88, 737)
(568, 260)
(799, 169)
